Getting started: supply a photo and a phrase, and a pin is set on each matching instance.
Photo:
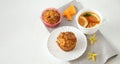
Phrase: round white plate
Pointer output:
(58, 53)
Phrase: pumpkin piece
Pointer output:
(65, 13)
(69, 17)
(72, 10)
(68, 12)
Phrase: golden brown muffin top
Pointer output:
(51, 16)
(66, 39)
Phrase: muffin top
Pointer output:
(66, 41)
(51, 16)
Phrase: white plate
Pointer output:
(58, 53)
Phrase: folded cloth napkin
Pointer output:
(101, 47)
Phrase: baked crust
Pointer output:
(51, 16)
(66, 41)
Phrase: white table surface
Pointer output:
(23, 36)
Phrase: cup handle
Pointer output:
(104, 20)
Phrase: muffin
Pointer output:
(66, 41)
(51, 17)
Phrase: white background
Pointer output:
(23, 36)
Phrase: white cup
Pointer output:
(91, 30)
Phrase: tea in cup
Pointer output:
(88, 20)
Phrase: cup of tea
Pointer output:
(88, 20)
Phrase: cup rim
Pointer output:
(87, 10)
(49, 23)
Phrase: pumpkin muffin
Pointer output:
(51, 16)
(66, 41)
